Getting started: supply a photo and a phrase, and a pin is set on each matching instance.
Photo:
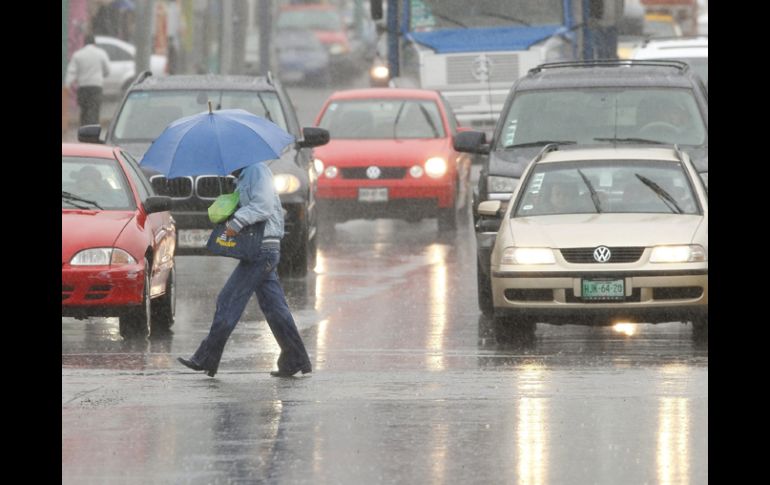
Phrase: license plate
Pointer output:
(603, 289)
(379, 194)
(193, 238)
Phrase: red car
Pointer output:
(390, 154)
(117, 243)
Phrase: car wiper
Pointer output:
(398, 115)
(450, 19)
(594, 195)
(506, 17)
(264, 106)
(631, 140)
(429, 120)
(72, 198)
(661, 192)
(540, 142)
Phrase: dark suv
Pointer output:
(151, 103)
(586, 103)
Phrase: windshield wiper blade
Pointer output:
(594, 195)
(662, 193)
(398, 115)
(69, 197)
(540, 142)
(632, 140)
(450, 19)
(506, 17)
(429, 120)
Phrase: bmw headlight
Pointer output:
(689, 253)
(528, 256)
(435, 167)
(286, 183)
(102, 257)
(319, 166)
(501, 184)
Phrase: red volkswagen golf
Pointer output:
(390, 154)
(118, 241)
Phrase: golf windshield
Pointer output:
(607, 187)
(146, 114)
(383, 119)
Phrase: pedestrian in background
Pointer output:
(87, 69)
(258, 202)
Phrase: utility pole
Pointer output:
(145, 21)
(199, 47)
(226, 39)
(265, 23)
(240, 25)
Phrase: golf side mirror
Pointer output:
(313, 137)
(89, 134)
(158, 203)
(489, 208)
(471, 142)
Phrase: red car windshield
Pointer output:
(94, 183)
(383, 119)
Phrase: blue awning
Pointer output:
(489, 39)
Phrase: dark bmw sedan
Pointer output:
(151, 103)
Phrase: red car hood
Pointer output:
(90, 229)
(393, 153)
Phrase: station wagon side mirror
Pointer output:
(471, 142)
(158, 203)
(313, 137)
(489, 208)
(89, 134)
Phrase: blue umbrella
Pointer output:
(215, 143)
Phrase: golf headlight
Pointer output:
(501, 184)
(416, 171)
(527, 256)
(435, 167)
(319, 166)
(336, 49)
(285, 183)
(330, 172)
(102, 257)
(678, 254)
(380, 72)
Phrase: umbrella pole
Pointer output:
(210, 111)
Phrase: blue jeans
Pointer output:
(258, 277)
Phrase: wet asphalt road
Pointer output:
(409, 383)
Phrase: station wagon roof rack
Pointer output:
(682, 66)
(551, 147)
(142, 76)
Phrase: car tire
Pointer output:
(295, 263)
(484, 291)
(700, 327)
(135, 323)
(163, 308)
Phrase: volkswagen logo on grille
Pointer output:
(482, 68)
(373, 172)
(602, 254)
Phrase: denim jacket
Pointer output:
(258, 201)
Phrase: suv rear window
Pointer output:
(146, 113)
(594, 115)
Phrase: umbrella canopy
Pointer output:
(215, 143)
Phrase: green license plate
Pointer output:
(603, 289)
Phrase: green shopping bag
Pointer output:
(223, 207)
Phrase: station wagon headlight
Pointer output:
(528, 256)
(435, 167)
(102, 257)
(501, 184)
(285, 183)
(678, 254)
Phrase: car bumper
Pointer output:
(440, 191)
(650, 296)
(101, 290)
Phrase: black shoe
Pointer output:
(286, 373)
(189, 363)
